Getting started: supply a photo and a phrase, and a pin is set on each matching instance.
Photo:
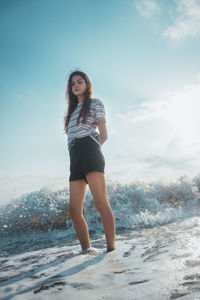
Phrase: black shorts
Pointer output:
(85, 156)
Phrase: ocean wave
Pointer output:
(135, 205)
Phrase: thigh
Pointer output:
(97, 185)
(77, 190)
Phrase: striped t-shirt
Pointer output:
(97, 112)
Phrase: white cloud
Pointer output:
(150, 110)
(159, 137)
(178, 108)
(147, 7)
(188, 23)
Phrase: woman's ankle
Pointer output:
(110, 249)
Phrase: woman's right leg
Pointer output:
(77, 193)
(97, 185)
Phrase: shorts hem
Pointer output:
(73, 179)
(94, 171)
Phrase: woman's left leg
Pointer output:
(97, 185)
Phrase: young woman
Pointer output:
(87, 162)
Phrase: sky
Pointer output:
(142, 58)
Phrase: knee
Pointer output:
(75, 215)
(102, 207)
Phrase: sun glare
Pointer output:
(183, 114)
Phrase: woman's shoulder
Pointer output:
(96, 101)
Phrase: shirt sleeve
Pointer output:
(100, 111)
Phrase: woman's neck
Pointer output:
(80, 98)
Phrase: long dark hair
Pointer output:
(73, 100)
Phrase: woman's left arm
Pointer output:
(102, 131)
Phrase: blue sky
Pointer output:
(142, 58)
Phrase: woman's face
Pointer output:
(78, 85)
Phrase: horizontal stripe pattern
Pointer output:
(97, 112)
